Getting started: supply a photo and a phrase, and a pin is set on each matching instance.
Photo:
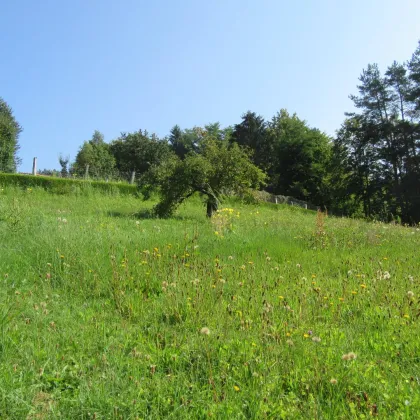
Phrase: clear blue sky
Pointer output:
(70, 67)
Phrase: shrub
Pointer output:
(65, 185)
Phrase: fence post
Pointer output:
(87, 172)
(133, 177)
(34, 171)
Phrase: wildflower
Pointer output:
(316, 339)
(349, 356)
(306, 335)
(268, 259)
(410, 294)
(236, 388)
(230, 257)
(386, 275)
(406, 316)
(205, 331)
(353, 292)
(267, 307)
(333, 381)
(341, 299)
(363, 286)
(281, 297)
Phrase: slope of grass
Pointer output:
(264, 312)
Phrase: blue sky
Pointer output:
(71, 67)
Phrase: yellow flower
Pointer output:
(341, 299)
(363, 286)
(353, 292)
(236, 388)
(306, 335)
(406, 316)
(281, 297)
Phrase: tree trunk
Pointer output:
(212, 205)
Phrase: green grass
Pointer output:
(102, 311)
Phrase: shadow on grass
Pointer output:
(149, 214)
(142, 214)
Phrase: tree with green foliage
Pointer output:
(183, 142)
(137, 152)
(9, 138)
(414, 77)
(221, 168)
(94, 158)
(382, 141)
(299, 159)
(252, 133)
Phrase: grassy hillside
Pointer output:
(265, 312)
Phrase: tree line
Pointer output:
(371, 168)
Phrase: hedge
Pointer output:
(66, 185)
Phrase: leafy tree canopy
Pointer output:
(221, 168)
(94, 158)
(9, 136)
(138, 151)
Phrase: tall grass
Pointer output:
(264, 312)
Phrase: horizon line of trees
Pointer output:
(371, 168)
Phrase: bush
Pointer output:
(65, 185)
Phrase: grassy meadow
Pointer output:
(264, 312)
